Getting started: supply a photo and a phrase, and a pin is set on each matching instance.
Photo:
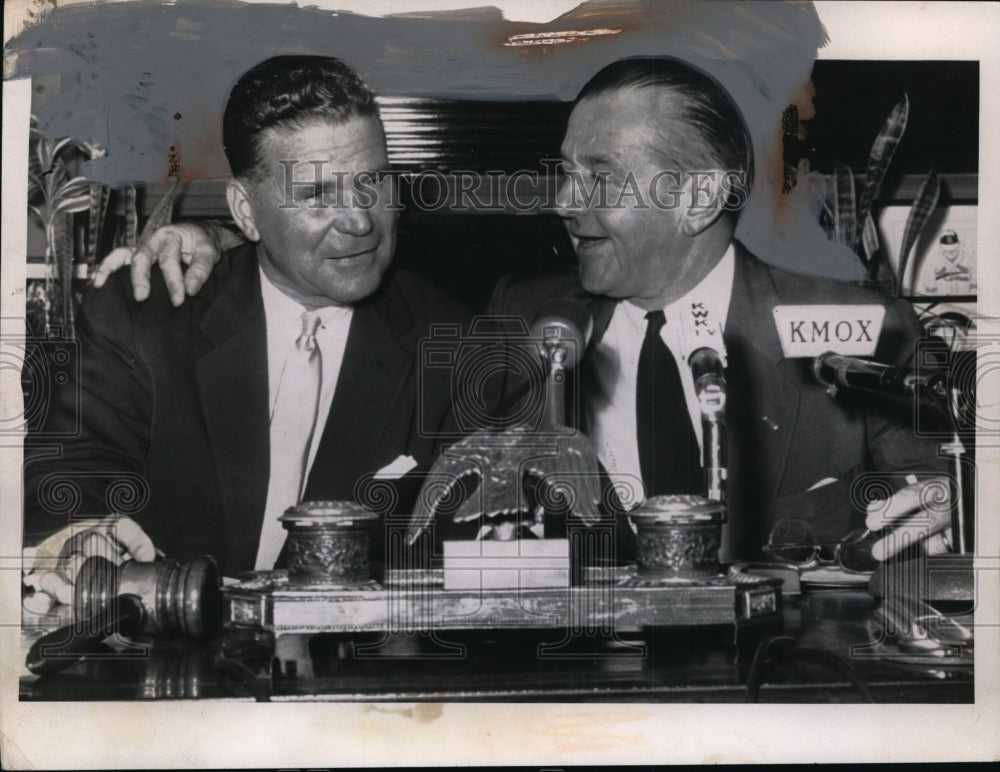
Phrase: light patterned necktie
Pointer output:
(292, 425)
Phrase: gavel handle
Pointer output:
(59, 649)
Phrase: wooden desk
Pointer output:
(703, 664)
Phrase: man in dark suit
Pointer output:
(302, 345)
(658, 163)
(792, 450)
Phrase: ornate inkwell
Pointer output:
(678, 537)
(328, 543)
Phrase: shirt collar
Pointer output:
(281, 311)
(697, 318)
(284, 313)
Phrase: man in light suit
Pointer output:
(658, 162)
(201, 406)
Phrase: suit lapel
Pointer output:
(763, 396)
(377, 367)
(601, 309)
(232, 381)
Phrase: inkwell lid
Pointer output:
(327, 514)
(678, 508)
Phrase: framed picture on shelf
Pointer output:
(943, 261)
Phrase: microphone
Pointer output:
(706, 367)
(564, 327)
(833, 370)
(710, 388)
(561, 320)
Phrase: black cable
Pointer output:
(763, 662)
(255, 685)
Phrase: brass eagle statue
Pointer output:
(524, 471)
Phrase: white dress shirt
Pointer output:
(283, 318)
(697, 319)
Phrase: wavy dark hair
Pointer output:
(288, 91)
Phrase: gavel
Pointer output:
(156, 599)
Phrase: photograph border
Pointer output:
(216, 734)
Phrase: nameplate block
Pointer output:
(808, 331)
(492, 564)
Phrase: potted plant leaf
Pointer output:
(852, 222)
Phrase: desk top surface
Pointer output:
(822, 647)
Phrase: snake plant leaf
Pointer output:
(59, 144)
(35, 185)
(47, 150)
(843, 203)
(52, 180)
(97, 209)
(879, 159)
(920, 213)
(163, 212)
(870, 245)
(62, 243)
(43, 155)
(75, 187)
(73, 205)
(131, 217)
(74, 196)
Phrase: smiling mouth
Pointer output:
(587, 241)
(354, 255)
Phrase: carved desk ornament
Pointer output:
(521, 476)
(525, 477)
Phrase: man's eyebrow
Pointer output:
(592, 160)
(602, 160)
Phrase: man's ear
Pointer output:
(241, 209)
(708, 195)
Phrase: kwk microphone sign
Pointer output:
(808, 331)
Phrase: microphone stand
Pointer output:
(712, 401)
(710, 390)
(554, 354)
(904, 623)
(834, 371)
(910, 628)
(955, 450)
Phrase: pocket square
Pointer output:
(822, 483)
(396, 469)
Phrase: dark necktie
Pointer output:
(668, 449)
